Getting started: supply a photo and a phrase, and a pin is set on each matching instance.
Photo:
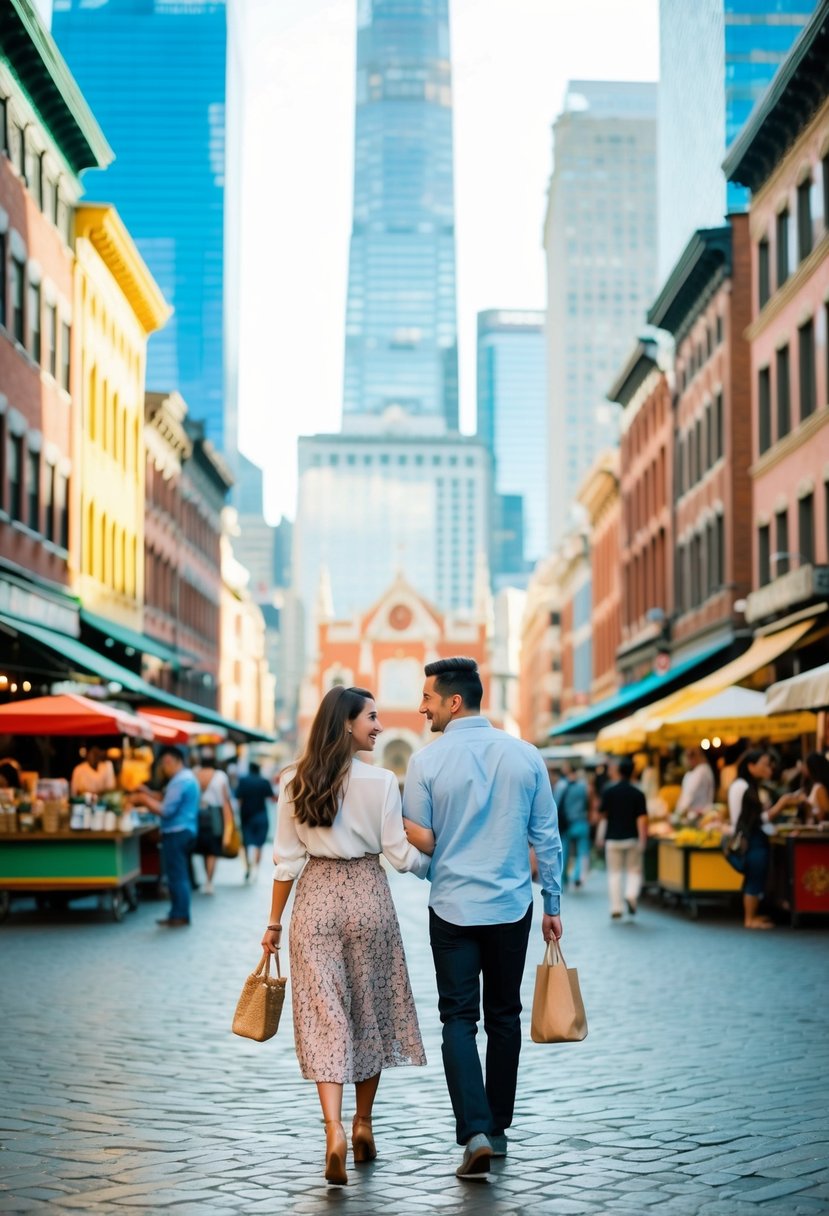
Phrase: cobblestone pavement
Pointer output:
(700, 1091)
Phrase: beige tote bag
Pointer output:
(260, 1004)
(558, 1010)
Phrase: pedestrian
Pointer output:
(484, 794)
(752, 813)
(179, 811)
(573, 801)
(254, 794)
(697, 792)
(94, 774)
(624, 808)
(216, 819)
(816, 800)
(354, 1013)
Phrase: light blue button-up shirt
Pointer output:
(180, 805)
(486, 796)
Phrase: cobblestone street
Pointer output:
(701, 1089)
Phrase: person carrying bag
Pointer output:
(558, 1009)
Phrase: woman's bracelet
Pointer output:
(274, 926)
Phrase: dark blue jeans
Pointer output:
(175, 851)
(463, 954)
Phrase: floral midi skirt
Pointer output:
(354, 1013)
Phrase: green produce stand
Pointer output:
(58, 866)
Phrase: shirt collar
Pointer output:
(470, 723)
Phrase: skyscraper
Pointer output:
(512, 423)
(401, 330)
(153, 72)
(599, 238)
(717, 57)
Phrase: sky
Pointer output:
(511, 62)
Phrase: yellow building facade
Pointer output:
(117, 306)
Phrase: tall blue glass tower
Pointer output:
(401, 329)
(153, 72)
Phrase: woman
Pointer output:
(216, 819)
(817, 799)
(354, 1013)
(748, 814)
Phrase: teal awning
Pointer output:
(132, 639)
(77, 653)
(633, 695)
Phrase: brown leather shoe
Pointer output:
(335, 1150)
(362, 1140)
(173, 922)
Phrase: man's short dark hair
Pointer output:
(625, 767)
(459, 676)
(170, 749)
(254, 769)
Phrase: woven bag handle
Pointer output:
(264, 967)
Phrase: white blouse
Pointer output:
(370, 820)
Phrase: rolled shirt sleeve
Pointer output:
(289, 852)
(396, 848)
(544, 837)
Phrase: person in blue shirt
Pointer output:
(486, 796)
(179, 812)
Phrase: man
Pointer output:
(697, 793)
(485, 795)
(179, 811)
(573, 801)
(95, 774)
(254, 794)
(623, 805)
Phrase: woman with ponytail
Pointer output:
(354, 1013)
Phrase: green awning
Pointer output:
(132, 639)
(77, 653)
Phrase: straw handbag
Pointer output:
(260, 1004)
(558, 1010)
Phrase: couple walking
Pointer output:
(474, 801)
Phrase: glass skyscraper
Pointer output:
(512, 423)
(153, 72)
(717, 57)
(401, 329)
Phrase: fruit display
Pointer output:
(699, 838)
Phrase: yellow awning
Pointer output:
(633, 733)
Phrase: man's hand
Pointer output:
(551, 927)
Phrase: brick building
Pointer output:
(644, 392)
(539, 670)
(599, 495)
(705, 306)
(385, 649)
(782, 154)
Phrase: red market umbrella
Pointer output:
(67, 714)
(181, 730)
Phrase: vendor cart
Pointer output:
(695, 875)
(799, 875)
(70, 865)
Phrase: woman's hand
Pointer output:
(422, 838)
(271, 940)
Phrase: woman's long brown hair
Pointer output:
(322, 770)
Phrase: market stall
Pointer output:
(799, 873)
(56, 847)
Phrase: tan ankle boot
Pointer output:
(362, 1140)
(335, 1151)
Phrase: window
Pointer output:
(804, 219)
(18, 281)
(52, 339)
(764, 555)
(720, 551)
(781, 542)
(784, 403)
(782, 247)
(698, 449)
(806, 350)
(763, 272)
(4, 129)
(21, 152)
(806, 528)
(34, 322)
(719, 423)
(62, 510)
(719, 329)
(826, 192)
(33, 490)
(3, 275)
(14, 471)
(710, 454)
(49, 502)
(65, 348)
